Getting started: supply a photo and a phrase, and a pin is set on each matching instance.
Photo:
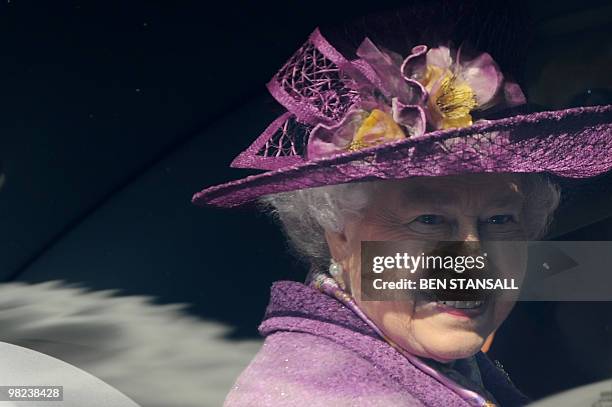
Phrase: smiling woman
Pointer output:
(422, 146)
(469, 207)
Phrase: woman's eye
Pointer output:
(500, 219)
(430, 219)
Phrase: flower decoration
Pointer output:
(456, 88)
(429, 90)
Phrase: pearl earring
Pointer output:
(335, 269)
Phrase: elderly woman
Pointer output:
(382, 147)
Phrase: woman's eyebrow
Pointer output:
(425, 196)
(508, 199)
(422, 195)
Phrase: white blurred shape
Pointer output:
(591, 395)
(25, 367)
(158, 355)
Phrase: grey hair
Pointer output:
(306, 214)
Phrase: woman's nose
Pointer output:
(467, 230)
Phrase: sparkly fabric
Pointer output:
(318, 87)
(318, 352)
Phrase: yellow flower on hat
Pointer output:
(457, 88)
(379, 127)
(450, 99)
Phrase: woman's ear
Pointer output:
(338, 248)
(338, 244)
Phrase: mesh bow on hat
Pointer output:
(382, 116)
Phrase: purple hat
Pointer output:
(384, 116)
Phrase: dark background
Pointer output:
(114, 113)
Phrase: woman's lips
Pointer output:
(464, 309)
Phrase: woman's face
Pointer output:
(459, 208)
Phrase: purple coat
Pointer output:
(318, 352)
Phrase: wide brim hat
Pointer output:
(334, 107)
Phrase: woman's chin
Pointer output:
(446, 347)
(449, 355)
